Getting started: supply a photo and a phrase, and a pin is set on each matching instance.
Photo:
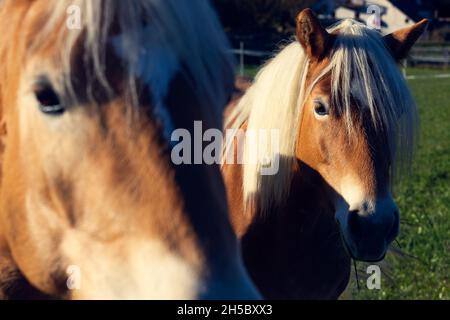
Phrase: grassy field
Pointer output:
(422, 271)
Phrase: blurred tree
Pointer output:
(443, 7)
(247, 16)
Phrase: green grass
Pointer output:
(251, 71)
(423, 197)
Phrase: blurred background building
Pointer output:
(257, 27)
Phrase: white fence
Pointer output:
(242, 53)
(431, 55)
(419, 55)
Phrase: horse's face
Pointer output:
(89, 188)
(356, 163)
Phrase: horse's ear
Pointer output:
(314, 39)
(400, 42)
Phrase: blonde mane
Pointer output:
(181, 35)
(361, 67)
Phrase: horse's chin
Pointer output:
(367, 236)
(359, 255)
(355, 255)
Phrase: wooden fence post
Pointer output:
(241, 59)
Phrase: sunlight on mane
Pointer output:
(361, 67)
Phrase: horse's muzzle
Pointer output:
(367, 233)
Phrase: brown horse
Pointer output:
(344, 121)
(91, 205)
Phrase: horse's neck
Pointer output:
(295, 251)
(309, 196)
(308, 204)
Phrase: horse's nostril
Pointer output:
(354, 222)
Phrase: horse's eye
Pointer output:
(49, 102)
(321, 109)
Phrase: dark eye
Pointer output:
(49, 102)
(321, 109)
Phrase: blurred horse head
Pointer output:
(87, 183)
